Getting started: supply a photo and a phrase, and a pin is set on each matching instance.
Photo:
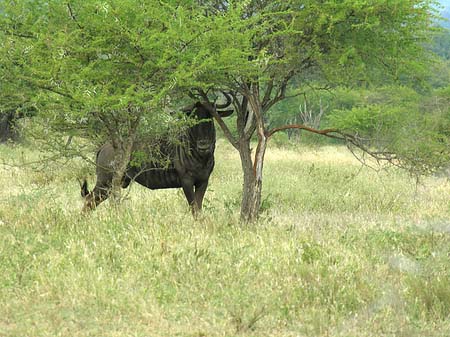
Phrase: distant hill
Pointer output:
(446, 12)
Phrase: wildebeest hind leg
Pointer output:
(99, 194)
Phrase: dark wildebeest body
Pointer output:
(189, 167)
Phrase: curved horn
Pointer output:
(228, 102)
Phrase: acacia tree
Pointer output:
(266, 44)
(106, 67)
(100, 70)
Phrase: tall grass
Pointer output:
(339, 250)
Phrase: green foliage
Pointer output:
(363, 38)
(372, 119)
(101, 71)
(99, 60)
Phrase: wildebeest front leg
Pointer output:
(200, 190)
(188, 189)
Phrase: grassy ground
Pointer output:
(340, 250)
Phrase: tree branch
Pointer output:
(268, 92)
(281, 94)
(72, 15)
(22, 35)
(350, 139)
(219, 120)
(325, 132)
(56, 91)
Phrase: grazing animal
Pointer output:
(190, 163)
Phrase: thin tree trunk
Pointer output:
(252, 189)
(252, 186)
(121, 160)
(8, 127)
(123, 148)
(247, 122)
(249, 206)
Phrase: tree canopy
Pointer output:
(113, 69)
(314, 43)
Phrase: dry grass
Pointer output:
(339, 251)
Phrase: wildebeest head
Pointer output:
(203, 135)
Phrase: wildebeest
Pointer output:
(190, 163)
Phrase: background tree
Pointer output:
(15, 95)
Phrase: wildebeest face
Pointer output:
(203, 132)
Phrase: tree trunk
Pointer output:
(121, 161)
(8, 127)
(250, 119)
(252, 186)
(123, 148)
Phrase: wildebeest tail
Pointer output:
(84, 188)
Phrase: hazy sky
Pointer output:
(445, 3)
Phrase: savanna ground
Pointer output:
(340, 250)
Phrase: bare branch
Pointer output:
(56, 91)
(22, 35)
(350, 139)
(281, 93)
(295, 95)
(72, 15)
(219, 120)
(325, 132)
(268, 93)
